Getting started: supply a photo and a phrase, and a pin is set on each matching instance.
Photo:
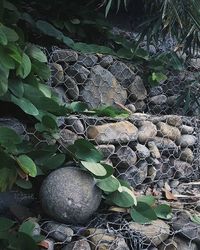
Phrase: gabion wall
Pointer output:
(156, 149)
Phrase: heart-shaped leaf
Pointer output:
(163, 211)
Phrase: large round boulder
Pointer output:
(70, 195)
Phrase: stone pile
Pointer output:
(105, 80)
(143, 148)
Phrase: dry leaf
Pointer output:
(118, 209)
(169, 195)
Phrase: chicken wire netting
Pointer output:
(155, 149)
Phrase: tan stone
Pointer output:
(156, 232)
(147, 131)
(119, 132)
(168, 131)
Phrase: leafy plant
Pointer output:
(18, 237)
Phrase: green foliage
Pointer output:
(18, 237)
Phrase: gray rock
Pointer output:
(183, 244)
(72, 90)
(187, 141)
(164, 143)
(186, 228)
(75, 124)
(62, 98)
(77, 245)
(57, 74)
(106, 150)
(10, 198)
(174, 120)
(106, 61)
(64, 55)
(186, 129)
(172, 100)
(182, 169)
(14, 124)
(155, 153)
(137, 91)
(131, 107)
(102, 88)
(142, 151)
(187, 155)
(87, 60)
(156, 232)
(140, 106)
(78, 72)
(123, 73)
(168, 131)
(147, 131)
(154, 91)
(103, 240)
(67, 137)
(70, 195)
(124, 157)
(158, 100)
(112, 133)
(57, 231)
(135, 175)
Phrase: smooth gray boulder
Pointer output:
(69, 195)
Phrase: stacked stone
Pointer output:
(144, 148)
(96, 79)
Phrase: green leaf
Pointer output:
(148, 199)
(10, 34)
(78, 107)
(27, 165)
(49, 122)
(48, 29)
(108, 6)
(27, 227)
(9, 136)
(45, 90)
(163, 211)
(95, 168)
(85, 150)
(41, 69)
(15, 52)
(143, 213)
(109, 184)
(111, 111)
(3, 83)
(195, 218)
(54, 161)
(36, 53)
(123, 198)
(3, 38)
(5, 224)
(22, 241)
(93, 48)
(16, 87)
(25, 105)
(23, 184)
(24, 68)
(6, 60)
(7, 178)
(109, 169)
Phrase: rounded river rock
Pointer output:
(70, 195)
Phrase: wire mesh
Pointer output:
(156, 149)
